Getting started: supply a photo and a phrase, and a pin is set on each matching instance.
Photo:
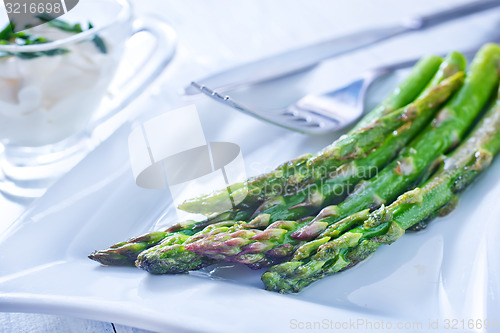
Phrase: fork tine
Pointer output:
(296, 120)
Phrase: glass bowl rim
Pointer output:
(124, 14)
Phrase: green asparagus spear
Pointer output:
(125, 253)
(159, 258)
(386, 225)
(422, 77)
(250, 194)
(174, 244)
(443, 134)
(170, 255)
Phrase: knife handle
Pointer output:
(427, 21)
(307, 56)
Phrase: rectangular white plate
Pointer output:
(449, 271)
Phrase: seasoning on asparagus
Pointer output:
(384, 226)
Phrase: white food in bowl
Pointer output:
(49, 98)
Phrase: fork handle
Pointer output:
(427, 21)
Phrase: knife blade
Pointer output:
(302, 58)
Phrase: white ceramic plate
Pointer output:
(449, 271)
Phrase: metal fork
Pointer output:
(318, 114)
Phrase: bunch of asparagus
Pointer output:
(312, 229)
(438, 196)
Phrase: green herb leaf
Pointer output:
(7, 37)
(6, 33)
(100, 44)
(60, 24)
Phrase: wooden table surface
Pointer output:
(216, 34)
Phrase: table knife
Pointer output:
(305, 57)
